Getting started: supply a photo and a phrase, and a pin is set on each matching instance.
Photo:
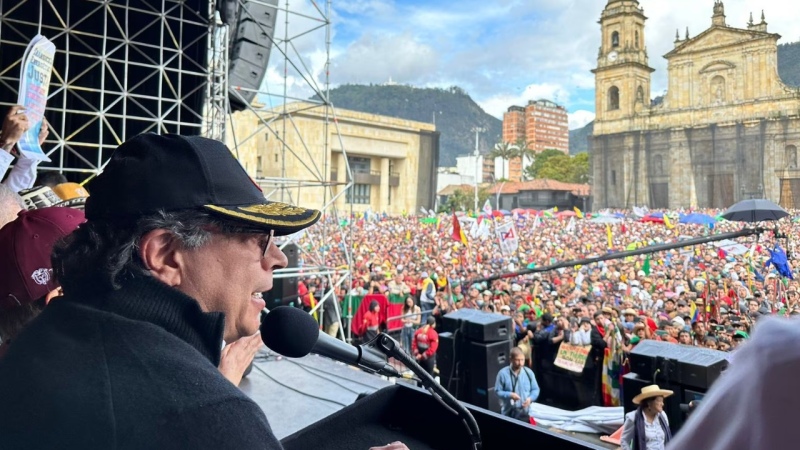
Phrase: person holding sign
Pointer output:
(15, 125)
(647, 428)
(516, 387)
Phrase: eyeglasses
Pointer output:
(264, 242)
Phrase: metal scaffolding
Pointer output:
(122, 67)
(125, 67)
(300, 19)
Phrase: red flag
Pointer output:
(457, 235)
(721, 254)
(624, 229)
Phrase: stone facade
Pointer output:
(392, 160)
(727, 129)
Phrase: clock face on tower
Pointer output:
(612, 56)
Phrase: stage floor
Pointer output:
(295, 393)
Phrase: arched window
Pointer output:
(791, 156)
(614, 39)
(636, 38)
(640, 95)
(718, 89)
(613, 98)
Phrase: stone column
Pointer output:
(383, 199)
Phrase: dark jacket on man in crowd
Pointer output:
(131, 369)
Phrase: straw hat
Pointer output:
(651, 391)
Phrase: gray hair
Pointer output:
(10, 205)
(100, 255)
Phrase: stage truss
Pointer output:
(125, 67)
(300, 19)
(122, 68)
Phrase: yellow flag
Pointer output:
(610, 236)
(578, 213)
(668, 223)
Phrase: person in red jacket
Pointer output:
(425, 344)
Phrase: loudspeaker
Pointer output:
(488, 327)
(485, 361)
(681, 364)
(456, 319)
(451, 370)
(250, 45)
(485, 398)
(284, 290)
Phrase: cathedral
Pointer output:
(726, 130)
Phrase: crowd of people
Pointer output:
(711, 295)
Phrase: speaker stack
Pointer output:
(473, 347)
(284, 290)
(687, 371)
(252, 27)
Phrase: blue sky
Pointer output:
(503, 52)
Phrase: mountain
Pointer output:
(789, 63)
(456, 113)
(579, 139)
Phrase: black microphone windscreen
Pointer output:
(289, 331)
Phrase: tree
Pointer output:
(506, 151)
(540, 161)
(559, 166)
(464, 200)
(525, 152)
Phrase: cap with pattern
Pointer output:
(25, 245)
(150, 172)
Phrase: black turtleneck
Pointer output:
(135, 368)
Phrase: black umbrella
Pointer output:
(756, 210)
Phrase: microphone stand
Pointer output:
(391, 348)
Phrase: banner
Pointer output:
(507, 235)
(34, 83)
(572, 357)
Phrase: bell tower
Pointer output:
(622, 76)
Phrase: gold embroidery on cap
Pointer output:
(274, 209)
(298, 222)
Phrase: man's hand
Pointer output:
(526, 403)
(44, 131)
(237, 355)
(393, 446)
(15, 125)
(514, 396)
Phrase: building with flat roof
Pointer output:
(541, 125)
(393, 161)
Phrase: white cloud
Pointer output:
(580, 118)
(498, 104)
(503, 52)
(375, 57)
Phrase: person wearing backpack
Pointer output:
(516, 387)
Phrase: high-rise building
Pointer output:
(541, 125)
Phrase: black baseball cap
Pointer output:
(151, 172)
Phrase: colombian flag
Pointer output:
(578, 213)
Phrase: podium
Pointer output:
(411, 415)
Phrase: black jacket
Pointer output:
(133, 369)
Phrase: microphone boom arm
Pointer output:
(391, 348)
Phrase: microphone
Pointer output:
(294, 334)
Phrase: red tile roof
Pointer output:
(540, 185)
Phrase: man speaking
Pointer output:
(177, 248)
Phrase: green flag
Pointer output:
(646, 265)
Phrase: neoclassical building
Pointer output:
(727, 129)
